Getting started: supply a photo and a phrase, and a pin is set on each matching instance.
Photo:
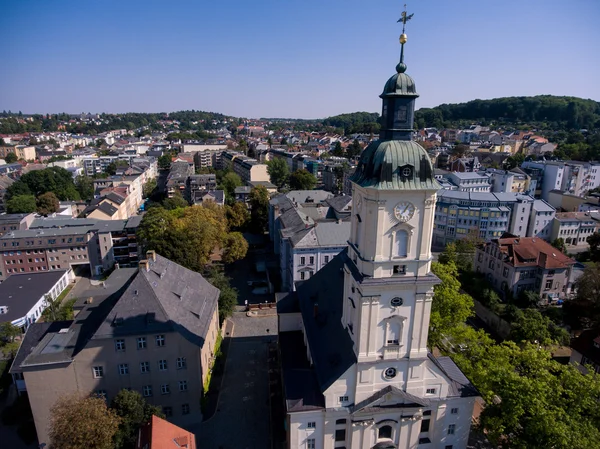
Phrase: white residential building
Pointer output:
(540, 220)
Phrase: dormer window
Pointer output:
(405, 172)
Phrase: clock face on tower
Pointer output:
(404, 211)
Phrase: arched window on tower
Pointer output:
(394, 329)
(401, 244)
(385, 432)
(358, 231)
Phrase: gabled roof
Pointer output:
(321, 304)
(398, 397)
(165, 297)
(161, 434)
(532, 251)
(459, 385)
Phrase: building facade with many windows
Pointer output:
(154, 331)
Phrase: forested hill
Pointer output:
(542, 111)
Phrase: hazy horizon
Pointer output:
(297, 60)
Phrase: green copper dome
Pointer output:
(400, 84)
(395, 165)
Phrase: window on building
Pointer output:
(181, 363)
(302, 275)
(185, 409)
(147, 391)
(302, 260)
(505, 272)
(425, 425)
(454, 411)
(311, 273)
(326, 259)
(165, 389)
(145, 367)
(183, 386)
(311, 260)
(448, 446)
(431, 391)
(102, 394)
(141, 343)
(401, 244)
(451, 429)
(168, 412)
(399, 269)
(120, 345)
(98, 372)
(162, 365)
(385, 432)
(549, 284)
(160, 340)
(310, 443)
(123, 369)
(340, 435)
(393, 332)
(340, 421)
(343, 399)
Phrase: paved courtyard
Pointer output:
(242, 417)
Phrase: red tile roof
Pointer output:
(161, 434)
(532, 251)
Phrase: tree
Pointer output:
(594, 242)
(78, 422)
(229, 182)
(270, 142)
(450, 308)
(337, 149)
(11, 158)
(47, 203)
(583, 311)
(52, 179)
(100, 142)
(9, 331)
(235, 247)
(514, 161)
(228, 295)
(85, 187)
(237, 215)
(164, 162)
(133, 411)
(559, 244)
(259, 209)
(279, 172)
(302, 180)
(149, 188)
(460, 150)
(21, 204)
(533, 327)
(354, 149)
(176, 202)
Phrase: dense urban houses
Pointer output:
(507, 181)
(481, 215)
(23, 297)
(356, 369)
(64, 242)
(15, 222)
(575, 227)
(572, 177)
(247, 168)
(202, 196)
(177, 178)
(517, 264)
(151, 329)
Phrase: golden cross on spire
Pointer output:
(403, 37)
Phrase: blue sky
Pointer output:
(288, 58)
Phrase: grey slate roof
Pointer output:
(167, 297)
(330, 344)
(324, 234)
(460, 386)
(20, 292)
(107, 208)
(305, 196)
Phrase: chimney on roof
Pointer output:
(144, 265)
(151, 255)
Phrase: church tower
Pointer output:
(364, 317)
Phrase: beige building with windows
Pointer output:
(151, 329)
(520, 264)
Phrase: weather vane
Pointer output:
(405, 17)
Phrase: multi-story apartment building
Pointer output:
(572, 177)
(470, 181)
(177, 178)
(200, 183)
(509, 181)
(482, 215)
(356, 369)
(152, 330)
(540, 220)
(63, 243)
(247, 168)
(517, 264)
(23, 152)
(574, 227)
(15, 222)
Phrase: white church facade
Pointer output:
(357, 373)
